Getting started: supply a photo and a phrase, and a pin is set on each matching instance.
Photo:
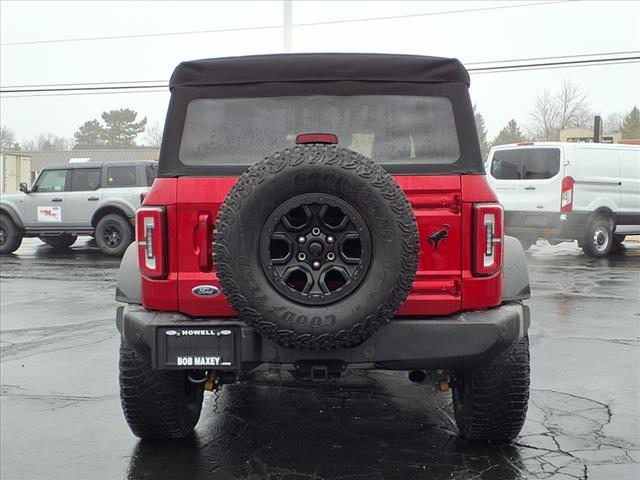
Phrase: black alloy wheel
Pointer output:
(112, 236)
(315, 249)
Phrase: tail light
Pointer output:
(566, 198)
(150, 236)
(489, 238)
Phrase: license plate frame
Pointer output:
(197, 347)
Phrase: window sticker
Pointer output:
(49, 214)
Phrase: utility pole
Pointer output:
(287, 25)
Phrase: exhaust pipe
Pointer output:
(417, 376)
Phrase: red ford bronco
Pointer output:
(317, 213)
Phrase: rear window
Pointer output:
(121, 176)
(387, 128)
(525, 164)
(85, 179)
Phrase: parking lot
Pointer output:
(61, 415)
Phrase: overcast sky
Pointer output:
(554, 29)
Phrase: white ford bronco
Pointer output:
(89, 198)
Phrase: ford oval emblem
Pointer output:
(205, 291)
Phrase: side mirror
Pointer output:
(23, 187)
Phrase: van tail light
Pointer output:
(566, 198)
(488, 219)
(151, 240)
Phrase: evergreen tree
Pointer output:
(631, 124)
(90, 133)
(121, 128)
(509, 134)
(482, 133)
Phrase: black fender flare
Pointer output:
(13, 214)
(119, 208)
(515, 273)
(129, 286)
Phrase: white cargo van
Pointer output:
(588, 192)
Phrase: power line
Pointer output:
(46, 85)
(279, 26)
(162, 83)
(79, 89)
(531, 66)
(157, 90)
(557, 57)
(554, 67)
(553, 64)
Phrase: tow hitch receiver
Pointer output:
(319, 372)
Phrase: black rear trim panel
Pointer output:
(457, 341)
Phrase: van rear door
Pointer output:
(504, 175)
(542, 173)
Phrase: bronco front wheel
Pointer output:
(157, 404)
(10, 237)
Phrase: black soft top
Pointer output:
(319, 67)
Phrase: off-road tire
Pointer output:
(317, 169)
(603, 225)
(60, 242)
(490, 404)
(119, 225)
(10, 236)
(157, 404)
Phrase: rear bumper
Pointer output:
(457, 341)
(551, 225)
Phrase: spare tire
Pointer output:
(316, 247)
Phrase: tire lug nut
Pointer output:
(331, 256)
(316, 264)
(315, 231)
(330, 239)
(302, 256)
(302, 239)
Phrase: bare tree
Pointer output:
(567, 108)
(47, 141)
(543, 120)
(574, 107)
(153, 135)
(7, 138)
(613, 122)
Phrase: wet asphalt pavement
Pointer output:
(61, 419)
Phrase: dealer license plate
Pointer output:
(197, 347)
